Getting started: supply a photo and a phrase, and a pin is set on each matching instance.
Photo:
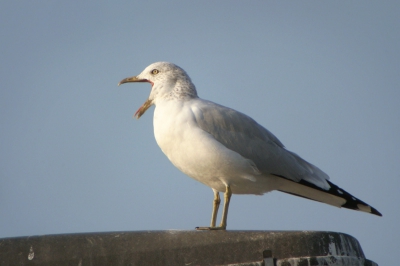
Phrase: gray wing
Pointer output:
(245, 136)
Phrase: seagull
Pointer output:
(226, 149)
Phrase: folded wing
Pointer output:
(245, 136)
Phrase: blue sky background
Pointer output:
(322, 76)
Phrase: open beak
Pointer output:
(147, 104)
(132, 79)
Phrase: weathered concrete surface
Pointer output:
(282, 248)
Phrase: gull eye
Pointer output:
(155, 71)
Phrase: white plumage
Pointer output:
(227, 150)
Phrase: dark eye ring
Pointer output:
(155, 71)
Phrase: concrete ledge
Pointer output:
(282, 248)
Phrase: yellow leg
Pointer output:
(222, 225)
(227, 199)
(216, 203)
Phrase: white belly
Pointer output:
(197, 154)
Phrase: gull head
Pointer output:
(168, 82)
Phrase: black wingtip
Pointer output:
(375, 211)
(351, 202)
